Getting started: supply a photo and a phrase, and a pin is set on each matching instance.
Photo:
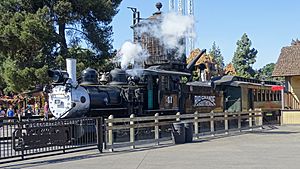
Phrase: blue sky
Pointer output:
(270, 24)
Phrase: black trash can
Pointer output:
(188, 132)
(178, 133)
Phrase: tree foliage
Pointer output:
(265, 73)
(244, 57)
(215, 52)
(39, 34)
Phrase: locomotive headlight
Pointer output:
(58, 76)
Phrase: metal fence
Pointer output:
(32, 138)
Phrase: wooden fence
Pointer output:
(252, 118)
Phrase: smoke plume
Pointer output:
(132, 54)
(171, 29)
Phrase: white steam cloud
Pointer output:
(171, 29)
(132, 54)
(174, 28)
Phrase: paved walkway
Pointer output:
(277, 148)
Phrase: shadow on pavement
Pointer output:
(88, 155)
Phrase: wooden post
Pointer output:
(132, 134)
(226, 121)
(178, 116)
(196, 124)
(250, 119)
(212, 124)
(156, 128)
(261, 119)
(239, 121)
(110, 134)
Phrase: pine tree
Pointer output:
(215, 52)
(244, 57)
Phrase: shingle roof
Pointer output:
(288, 63)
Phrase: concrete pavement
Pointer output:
(278, 148)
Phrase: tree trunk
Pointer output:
(62, 38)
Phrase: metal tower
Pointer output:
(171, 5)
(190, 11)
(181, 7)
(184, 10)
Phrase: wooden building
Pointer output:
(287, 66)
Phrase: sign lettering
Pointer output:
(204, 101)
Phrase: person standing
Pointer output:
(10, 112)
(2, 114)
(28, 112)
(46, 111)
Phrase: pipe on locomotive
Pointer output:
(191, 65)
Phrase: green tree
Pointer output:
(39, 34)
(215, 52)
(265, 73)
(244, 57)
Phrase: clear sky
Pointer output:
(270, 24)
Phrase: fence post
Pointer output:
(196, 124)
(239, 121)
(261, 119)
(99, 134)
(110, 134)
(226, 121)
(178, 116)
(250, 119)
(212, 124)
(132, 134)
(156, 128)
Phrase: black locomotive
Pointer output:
(157, 90)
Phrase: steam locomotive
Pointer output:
(157, 90)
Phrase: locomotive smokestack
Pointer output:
(191, 65)
(71, 69)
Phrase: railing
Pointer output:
(203, 124)
(32, 138)
(290, 102)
